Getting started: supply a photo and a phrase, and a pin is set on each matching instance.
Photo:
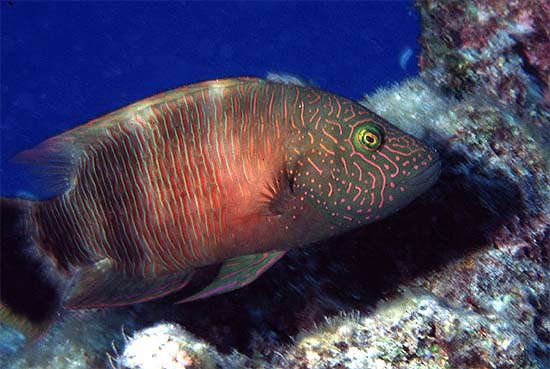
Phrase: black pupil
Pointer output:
(369, 139)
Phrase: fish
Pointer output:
(231, 172)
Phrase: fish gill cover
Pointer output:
(457, 279)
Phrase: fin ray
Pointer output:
(236, 273)
(277, 194)
(102, 285)
(56, 160)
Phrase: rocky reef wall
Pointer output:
(458, 279)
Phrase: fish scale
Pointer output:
(234, 171)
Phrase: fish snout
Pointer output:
(427, 177)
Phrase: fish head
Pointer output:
(358, 168)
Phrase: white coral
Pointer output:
(165, 346)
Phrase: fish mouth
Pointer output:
(426, 178)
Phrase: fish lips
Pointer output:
(425, 179)
(415, 186)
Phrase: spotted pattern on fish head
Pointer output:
(354, 166)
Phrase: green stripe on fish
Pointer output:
(236, 273)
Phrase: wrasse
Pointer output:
(234, 171)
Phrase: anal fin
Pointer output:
(102, 285)
(236, 273)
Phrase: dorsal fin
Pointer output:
(56, 160)
(289, 79)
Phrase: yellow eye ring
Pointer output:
(367, 137)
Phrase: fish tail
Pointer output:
(30, 287)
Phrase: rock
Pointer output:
(168, 346)
(496, 47)
(410, 332)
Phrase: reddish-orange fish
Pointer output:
(234, 171)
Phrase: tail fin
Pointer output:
(30, 294)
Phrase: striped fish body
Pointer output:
(235, 171)
(180, 180)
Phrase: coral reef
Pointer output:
(168, 346)
(411, 332)
(78, 340)
(497, 47)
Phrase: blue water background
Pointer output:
(63, 64)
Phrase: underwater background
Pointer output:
(64, 63)
(458, 279)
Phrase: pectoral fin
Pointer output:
(238, 272)
(103, 285)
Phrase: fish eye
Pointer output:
(367, 137)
